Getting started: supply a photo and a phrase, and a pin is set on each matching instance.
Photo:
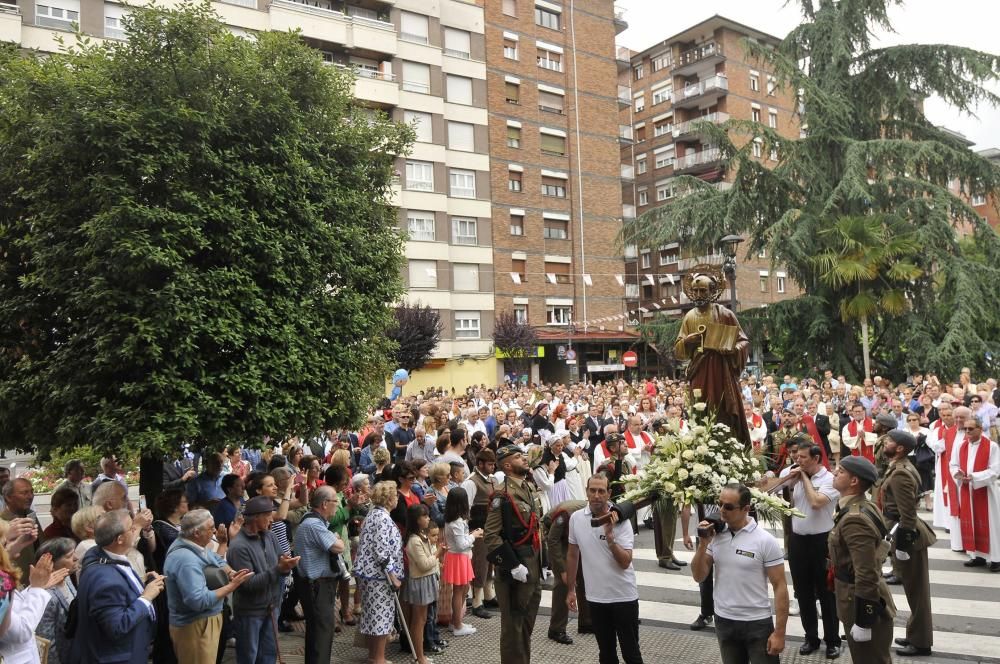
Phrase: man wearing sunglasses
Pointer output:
(745, 557)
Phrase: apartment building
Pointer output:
(701, 73)
(422, 63)
(555, 153)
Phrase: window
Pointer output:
(466, 324)
(519, 266)
(662, 61)
(662, 127)
(521, 312)
(516, 224)
(459, 90)
(461, 136)
(781, 283)
(57, 17)
(771, 85)
(513, 137)
(509, 7)
(423, 274)
(640, 104)
(561, 271)
(509, 49)
(555, 187)
(463, 183)
(665, 158)
(755, 82)
(556, 229)
(638, 72)
(421, 124)
(550, 101)
(640, 134)
(662, 95)
(466, 276)
(416, 77)
(546, 18)
(645, 260)
(647, 292)
(113, 14)
(513, 93)
(668, 256)
(420, 175)
(773, 154)
(457, 43)
(420, 225)
(558, 314)
(643, 197)
(664, 192)
(413, 27)
(632, 291)
(549, 60)
(762, 253)
(763, 282)
(755, 114)
(640, 166)
(757, 147)
(514, 180)
(979, 199)
(553, 144)
(463, 231)
(772, 119)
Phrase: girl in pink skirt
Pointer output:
(458, 561)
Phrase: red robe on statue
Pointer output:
(808, 424)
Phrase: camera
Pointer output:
(715, 528)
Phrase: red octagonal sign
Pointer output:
(630, 359)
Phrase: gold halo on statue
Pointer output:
(714, 272)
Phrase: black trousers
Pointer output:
(616, 621)
(707, 591)
(318, 598)
(807, 556)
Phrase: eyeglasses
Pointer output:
(728, 507)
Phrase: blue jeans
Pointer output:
(255, 638)
(744, 641)
(431, 632)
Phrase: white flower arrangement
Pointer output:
(692, 466)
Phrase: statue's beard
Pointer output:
(701, 301)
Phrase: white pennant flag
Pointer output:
(644, 310)
(515, 277)
(620, 279)
(587, 280)
(673, 299)
(602, 328)
(551, 277)
(651, 279)
(620, 328)
(670, 278)
(656, 305)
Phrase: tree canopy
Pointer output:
(416, 331)
(867, 150)
(195, 240)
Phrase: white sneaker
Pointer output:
(793, 607)
(464, 630)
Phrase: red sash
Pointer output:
(755, 421)
(862, 448)
(949, 490)
(810, 425)
(632, 443)
(975, 504)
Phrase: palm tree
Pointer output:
(868, 259)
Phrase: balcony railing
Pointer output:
(623, 54)
(628, 211)
(625, 133)
(696, 159)
(698, 53)
(9, 8)
(624, 95)
(688, 127)
(717, 82)
(364, 72)
(628, 172)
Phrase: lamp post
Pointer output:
(728, 245)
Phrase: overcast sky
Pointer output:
(971, 23)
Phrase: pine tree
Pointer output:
(867, 150)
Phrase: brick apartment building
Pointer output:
(555, 156)
(701, 73)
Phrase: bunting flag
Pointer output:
(670, 278)
(620, 279)
(644, 310)
(515, 277)
(551, 277)
(673, 299)
(656, 305)
(587, 280)
(651, 279)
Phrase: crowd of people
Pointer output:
(444, 509)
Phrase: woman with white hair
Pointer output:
(550, 474)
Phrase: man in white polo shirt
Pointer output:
(813, 495)
(607, 557)
(745, 558)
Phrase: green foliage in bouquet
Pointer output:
(691, 466)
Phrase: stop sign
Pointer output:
(630, 359)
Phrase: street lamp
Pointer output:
(728, 246)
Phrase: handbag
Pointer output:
(923, 456)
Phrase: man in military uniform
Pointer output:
(557, 542)
(857, 550)
(480, 488)
(884, 423)
(898, 496)
(513, 545)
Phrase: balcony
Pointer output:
(700, 56)
(621, 25)
(698, 161)
(688, 129)
(379, 87)
(702, 93)
(623, 56)
(628, 172)
(628, 212)
(624, 96)
(625, 135)
(10, 23)
(330, 25)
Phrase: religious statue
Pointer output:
(712, 339)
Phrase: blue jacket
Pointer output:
(114, 625)
(188, 595)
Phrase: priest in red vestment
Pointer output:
(975, 466)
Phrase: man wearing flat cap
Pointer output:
(257, 601)
(857, 550)
(513, 545)
(898, 496)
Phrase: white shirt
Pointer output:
(606, 581)
(741, 560)
(817, 520)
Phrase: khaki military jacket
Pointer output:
(857, 551)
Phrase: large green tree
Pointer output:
(867, 150)
(195, 240)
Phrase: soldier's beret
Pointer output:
(860, 467)
(904, 438)
(507, 451)
(886, 420)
